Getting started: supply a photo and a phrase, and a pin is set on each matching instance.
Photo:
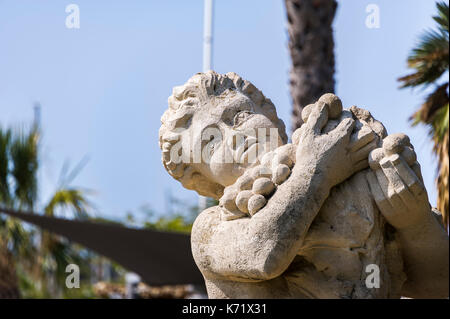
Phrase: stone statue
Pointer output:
(341, 212)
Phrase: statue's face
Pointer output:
(233, 133)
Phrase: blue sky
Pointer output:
(104, 87)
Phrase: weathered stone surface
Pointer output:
(242, 200)
(263, 186)
(228, 200)
(334, 105)
(394, 143)
(284, 155)
(409, 155)
(245, 182)
(306, 111)
(314, 233)
(255, 203)
(281, 174)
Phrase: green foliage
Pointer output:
(32, 289)
(84, 292)
(23, 152)
(430, 57)
(176, 223)
(19, 165)
(72, 198)
(5, 138)
(37, 261)
(29, 288)
(41, 258)
(441, 122)
(180, 218)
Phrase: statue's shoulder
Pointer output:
(205, 223)
(201, 236)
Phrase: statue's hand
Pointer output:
(396, 183)
(251, 191)
(330, 142)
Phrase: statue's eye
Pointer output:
(240, 117)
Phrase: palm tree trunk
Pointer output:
(8, 280)
(311, 47)
(442, 150)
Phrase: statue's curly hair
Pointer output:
(184, 102)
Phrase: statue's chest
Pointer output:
(346, 219)
(344, 238)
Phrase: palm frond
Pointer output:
(430, 56)
(60, 253)
(70, 198)
(430, 62)
(8, 278)
(19, 239)
(442, 18)
(57, 252)
(24, 157)
(442, 181)
(5, 195)
(18, 189)
(429, 59)
(66, 177)
(434, 103)
(440, 123)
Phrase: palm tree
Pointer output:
(311, 47)
(429, 59)
(8, 279)
(18, 190)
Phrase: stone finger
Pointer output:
(318, 117)
(334, 104)
(344, 128)
(378, 195)
(388, 189)
(361, 138)
(375, 156)
(361, 165)
(409, 155)
(394, 143)
(398, 191)
(417, 170)
(407, 175)
(306, 112)
(363, 153)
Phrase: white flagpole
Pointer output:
(207, 35)
(207, 62)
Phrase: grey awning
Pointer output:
(160, 258)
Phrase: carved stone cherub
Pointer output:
(300, 220)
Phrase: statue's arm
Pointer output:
(425, 251)
(398, 190)
(260, 247)
(263, 246)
